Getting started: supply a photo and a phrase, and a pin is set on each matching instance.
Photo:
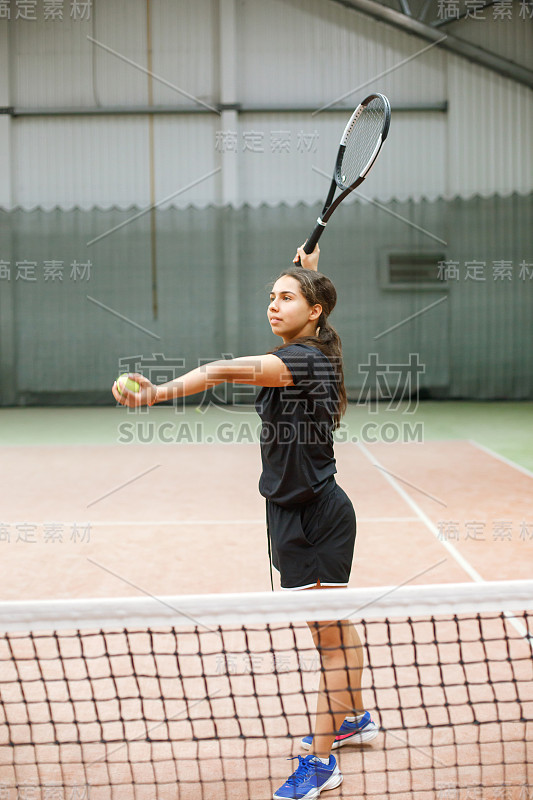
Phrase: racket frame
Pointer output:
(337, 182)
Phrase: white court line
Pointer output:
(468, 568)
(172, 522)
(387, 519)
(461, 560)
(505, 460)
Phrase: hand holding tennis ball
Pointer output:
(124, 381)
(132, 390)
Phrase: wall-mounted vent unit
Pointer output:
(411, 269)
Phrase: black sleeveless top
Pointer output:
(297, 430)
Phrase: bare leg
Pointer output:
(341, 656)
(355, 677)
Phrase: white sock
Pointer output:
(323, 760)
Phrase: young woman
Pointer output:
(310, 520)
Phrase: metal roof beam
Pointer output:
(504, 67)
(103, 111)
(405, 8)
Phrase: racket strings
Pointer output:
(361, 142)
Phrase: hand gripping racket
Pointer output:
(361, 142)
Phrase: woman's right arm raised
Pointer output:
(307, 261)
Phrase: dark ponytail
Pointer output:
(318, 289)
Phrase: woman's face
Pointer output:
(289, 313)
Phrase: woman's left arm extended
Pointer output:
(265, 370)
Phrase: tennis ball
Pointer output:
(124, 381)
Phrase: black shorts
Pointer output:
(313, 541)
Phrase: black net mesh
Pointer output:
(361, 142)
(214, 712)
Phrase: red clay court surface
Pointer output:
(193, 523)
(109, 521)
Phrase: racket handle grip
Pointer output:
(310, 244)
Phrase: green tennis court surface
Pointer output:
(506, 428)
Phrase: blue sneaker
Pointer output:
(351, 733)
(311, 778)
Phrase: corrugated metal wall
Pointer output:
(214, 268)
(320, 50)
(510, 37)
(489, 133)
(289, 53)
(52, 62)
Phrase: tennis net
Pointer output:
(207, 696)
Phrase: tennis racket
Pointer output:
(360, 144)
